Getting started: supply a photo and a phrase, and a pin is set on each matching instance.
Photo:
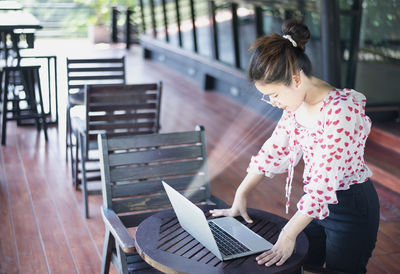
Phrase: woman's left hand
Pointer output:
(281, 251)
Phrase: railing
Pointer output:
(64, 20)
(123, 27)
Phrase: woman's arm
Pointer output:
(284, 247)
(239, 206)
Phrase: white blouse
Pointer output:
(333, 151)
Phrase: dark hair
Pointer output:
(276, 59)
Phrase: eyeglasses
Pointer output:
(265, 99)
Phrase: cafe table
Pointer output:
(10, 5)
(11, 21)
(166, 246)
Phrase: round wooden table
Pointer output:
(165, 245)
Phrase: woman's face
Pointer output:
(282, 96)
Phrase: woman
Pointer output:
(339, 210)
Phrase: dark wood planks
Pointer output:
(8, 251)
(28, 238)
(79, 233)
(52, 233)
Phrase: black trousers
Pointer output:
(346, 238)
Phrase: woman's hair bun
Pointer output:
(298, 31)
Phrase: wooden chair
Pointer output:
(81, 72)
(116, 110)
(132, 168)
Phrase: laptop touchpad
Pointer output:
(239, 231)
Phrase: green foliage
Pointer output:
(101, 9)
(381, 21)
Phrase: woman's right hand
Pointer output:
(239, 208)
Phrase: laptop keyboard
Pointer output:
(227, 245)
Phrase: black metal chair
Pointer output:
(48, 61)
(24, 96)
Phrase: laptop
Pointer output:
(225, 237)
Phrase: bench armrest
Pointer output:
(118, 230)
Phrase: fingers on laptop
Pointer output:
(229, 212)
(246, 217)
(220, 212)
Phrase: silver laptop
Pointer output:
(225, 237)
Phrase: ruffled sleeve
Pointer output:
(343, 132)
(273, 157)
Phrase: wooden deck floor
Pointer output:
(41, 215)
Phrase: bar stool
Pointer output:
(52, 81)
(30, 80)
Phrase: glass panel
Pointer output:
(347, 19)
(186, 24)
(378, 66)
(223, 17)
(147, 17)
(313, 47)
(247, 32)
(158, 11)
(172, 22)
(203, 28)
(275, 13)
